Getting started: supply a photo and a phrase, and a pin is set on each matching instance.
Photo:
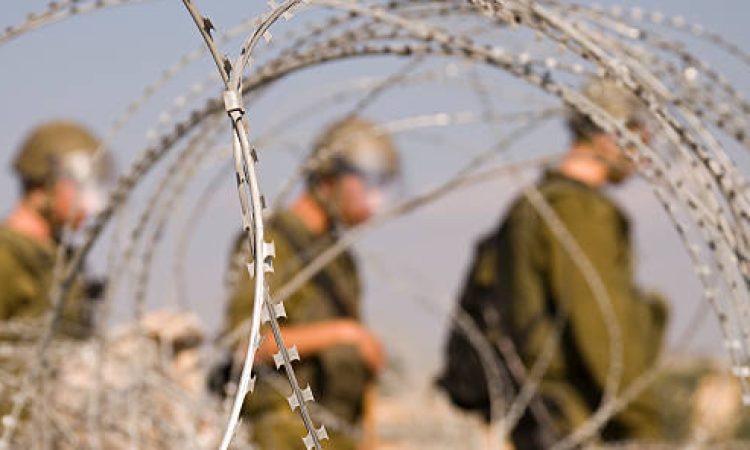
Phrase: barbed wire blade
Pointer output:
(251, 384)
(208, 26)
(267, 267)
(320, 433)
(278, 358)
(278, 310)
(307, 396)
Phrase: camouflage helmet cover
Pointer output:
(46, 145)
(614, 99)
(355, 145)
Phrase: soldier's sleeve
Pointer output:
(655, 316)
(14, 286)
(595, 322)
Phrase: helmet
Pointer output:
(61, 149)
(354, 145)
(42, 154)
(614, 99)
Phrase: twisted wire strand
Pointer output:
(715, 181)
(638, 14)
(57, 11)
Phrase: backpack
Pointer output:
(463, 377)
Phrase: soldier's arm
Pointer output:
(655, 313)
(595, 322)
(631, 319)
(309, 337)
(315, 337)
(12, 292)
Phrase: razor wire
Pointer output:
(252, 217)
(408, 124)
(57, 11)
(711, 200)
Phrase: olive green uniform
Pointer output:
(26, 267)
(337, 376)
(538, 279)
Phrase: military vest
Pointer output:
(337, 376)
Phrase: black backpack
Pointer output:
(463, 377)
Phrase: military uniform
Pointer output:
(26, 267)
(337, 376)
(538, 279)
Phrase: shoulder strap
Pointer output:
(322, 278)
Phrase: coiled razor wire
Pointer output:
(693, 108)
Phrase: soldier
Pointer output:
(352, 162)
(528, 278)
(60, 184)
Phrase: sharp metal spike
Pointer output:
(278, 358)
(321, 433)
(307, 396)
(251, 384)
(278, 310)
(269, 249)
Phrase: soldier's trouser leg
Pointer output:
(284, 431)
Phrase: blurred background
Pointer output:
(92, 67)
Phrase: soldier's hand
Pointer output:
(369, 346)
(371, 350)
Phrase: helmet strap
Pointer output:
(329, 207)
